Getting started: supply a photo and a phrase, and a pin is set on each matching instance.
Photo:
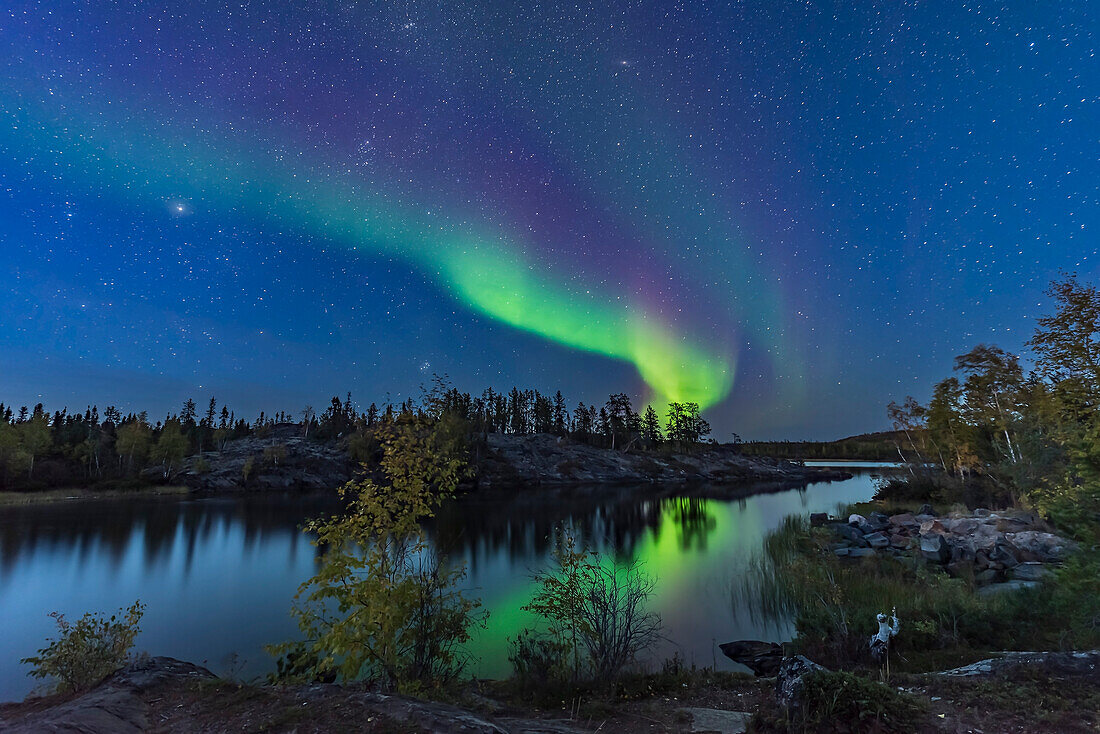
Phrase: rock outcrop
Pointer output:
(546, 459)
(762, 658)
(283, 459)
(789, 680)
(1002, 551)
(280, 460)
(115, 706)
(1087, 661)
(162, 694)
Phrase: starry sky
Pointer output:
(791, 213)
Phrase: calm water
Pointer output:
(218, 574)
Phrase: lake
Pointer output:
(218, 574)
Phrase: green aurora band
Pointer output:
(490, 273)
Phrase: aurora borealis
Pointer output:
(788, 214)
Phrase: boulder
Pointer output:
(1007, 587)
(877, 540)
(788, 681)
(929, 527)
(762, 658)
(905, 520)
(900, 541)
(1030, 571)
(878, 521)
(1042, 546)
(1004, 554)
(986, 577)
(1074, 663)
(983, 537)
(713, 721)
(851, 534)
(935, 548)
(856, 519)
(115, 706)
(961, 526)
(861, 552)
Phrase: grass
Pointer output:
(1033, 699)
(14, 499)
(845, 702)
(943, 622)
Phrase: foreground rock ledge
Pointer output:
(132, 701)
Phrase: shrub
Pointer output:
(926, 485)
(275, 454)
(541, 663)
(834, 602)
(845, 702)
(200, 466)
(87, 651)
(597, 605)
(382, 605)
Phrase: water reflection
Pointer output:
(218, 575)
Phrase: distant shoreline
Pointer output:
(48, 496)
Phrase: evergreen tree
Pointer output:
(651, 427)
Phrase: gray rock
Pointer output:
(1030, 571)
(842, 552)
(718, 720)
(1083, 662)
(1040, 545)
(112, 707)
(762, 658)
(986, 577)
(877, 540)
(879, 520)
(1007, 587)
(906, 520)
(303, 464)
(851, 534)
(935, 548)
(1004, 554)
(788, 681)
(900, 541)
(861, 552)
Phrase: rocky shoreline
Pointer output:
(999, 551)
(285, 460)
(158, 694)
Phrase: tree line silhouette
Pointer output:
(39, 449)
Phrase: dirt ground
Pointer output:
(1021, 700)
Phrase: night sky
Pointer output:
(791, 213)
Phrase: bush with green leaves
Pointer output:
(834, 602)
(88, 650)
(845, 702)
(595, 608)
(383, 605)
(541, 662)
